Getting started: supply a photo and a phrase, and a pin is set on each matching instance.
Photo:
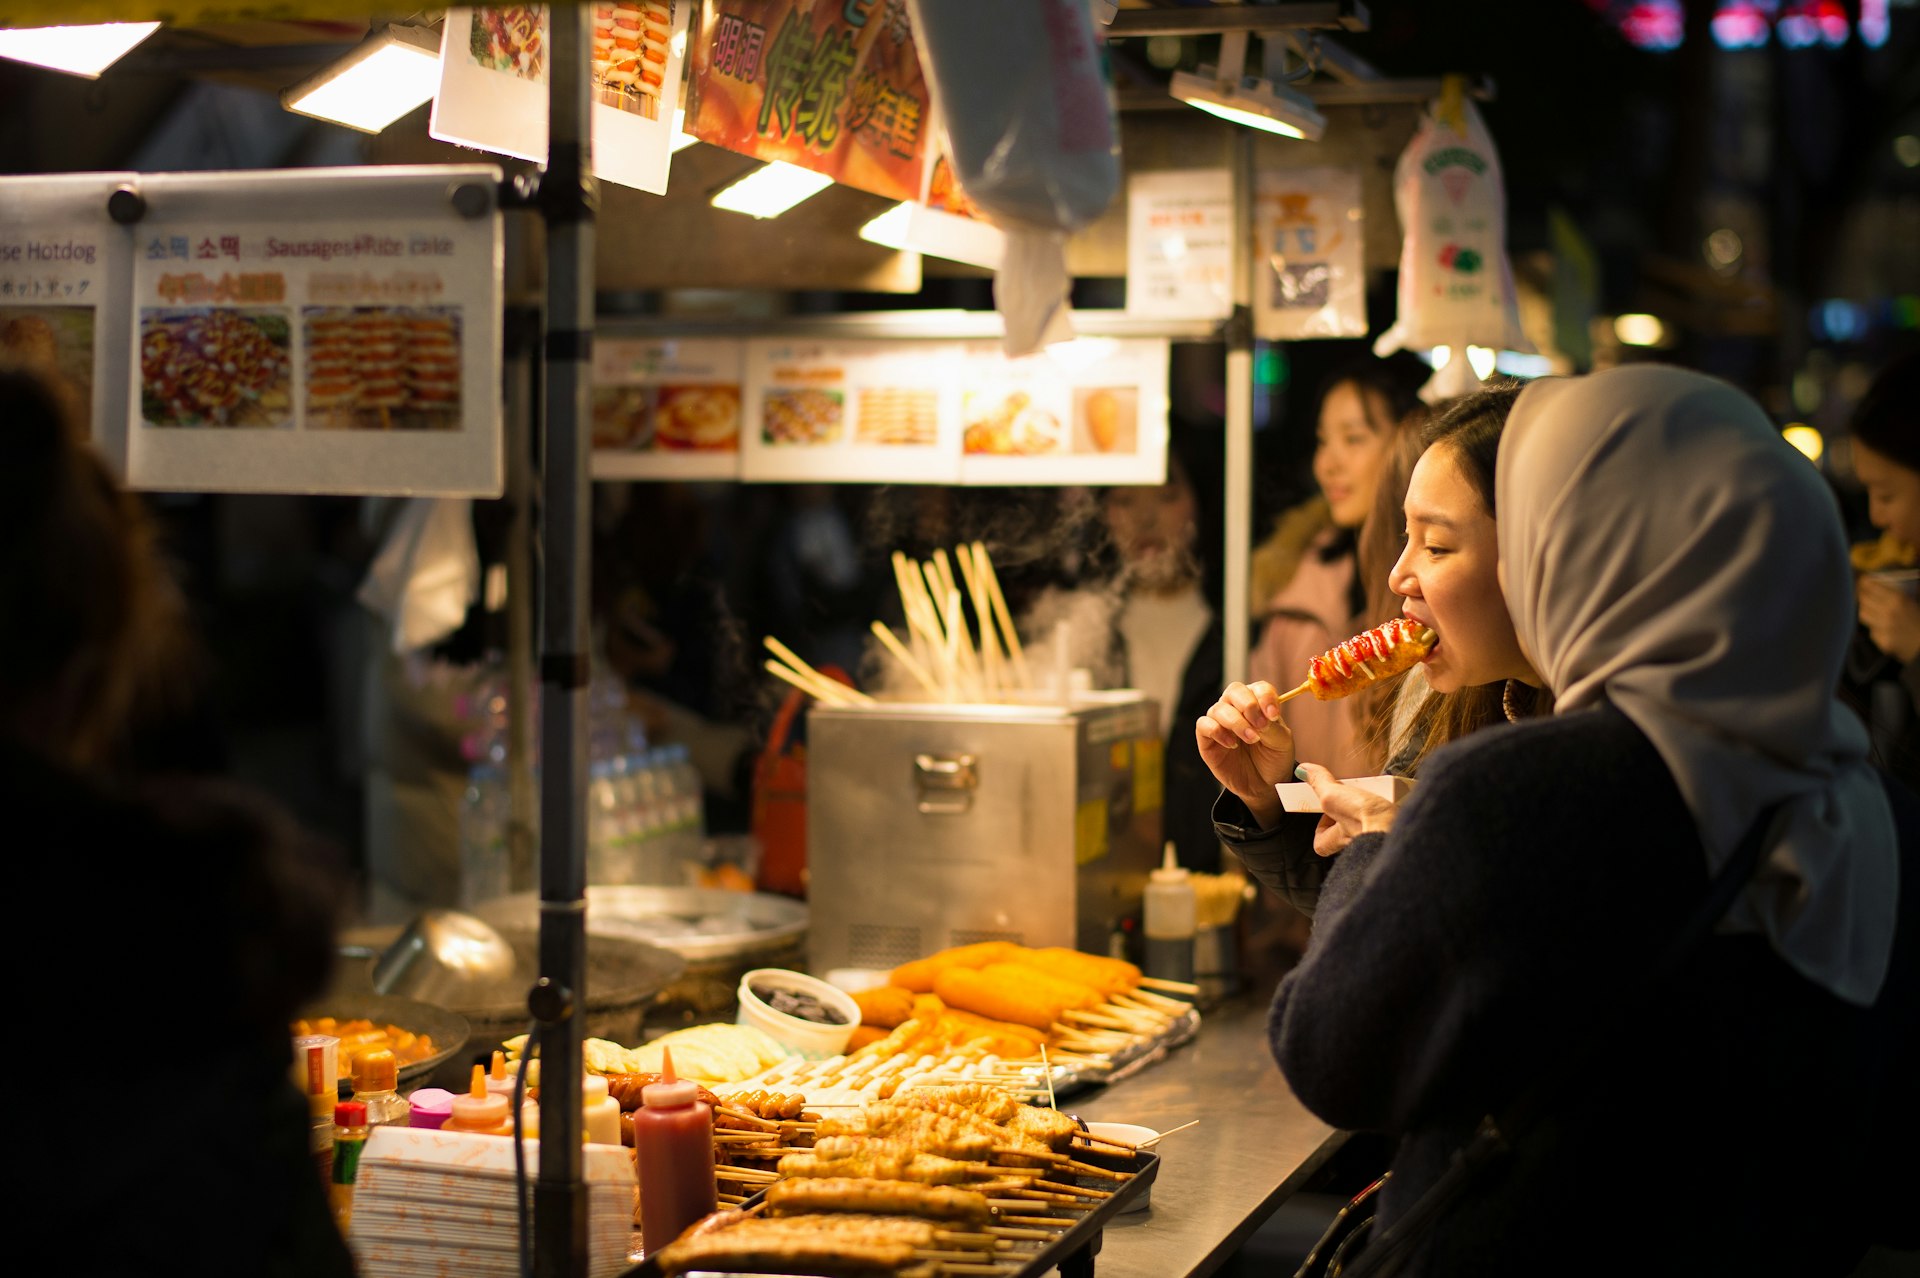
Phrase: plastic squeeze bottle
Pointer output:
(601, 1122)
(673, 1149)
(500, 1079)
(376, 1081)
(480, 1110)
(349, 1138)
(1171, 918)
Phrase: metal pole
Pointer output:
(1239, 480)
(523, 345)
(567, 206)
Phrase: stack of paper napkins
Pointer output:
(429, 1202)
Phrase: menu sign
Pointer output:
(852, 411)
(833, 87)
(667, 409)
(63, 306)
(1089, 411)
(283, 342)
(493, 84)
(1310, 271)
(1180, 244)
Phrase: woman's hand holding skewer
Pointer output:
(1248, 747)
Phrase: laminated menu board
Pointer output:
(1310, 276)
(317, 331)
(493, 84)
(1089, 411)
(852, 411)
(1180, 244)
(64, 276)
(833, 87)
(667, 408)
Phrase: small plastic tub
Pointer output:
(811, 1039)
(1132, 1134)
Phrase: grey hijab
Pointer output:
(1664, 550)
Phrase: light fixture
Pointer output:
(85, 51)
(771, 190)
(889, 229)
(387, 75)
(1230, 93)
(1639, 330)
(1806, 439)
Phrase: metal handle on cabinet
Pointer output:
(945, 783)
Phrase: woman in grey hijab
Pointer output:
(1677, 578)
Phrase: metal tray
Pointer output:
(448, 1029)
(1072, 1252)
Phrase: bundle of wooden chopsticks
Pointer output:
(941, 653)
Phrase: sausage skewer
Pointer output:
(1365, 659)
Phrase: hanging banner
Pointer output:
(65, 272)
(1180, 244)
(667, 408)
(1310, 277)
(833, 87)
(286, 340)
(493, 85)
(1089, 411)
(852, 412)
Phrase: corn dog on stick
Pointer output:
(1109, 976)
(999, 998)
(918, 975)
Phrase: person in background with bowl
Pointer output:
(1883, 668)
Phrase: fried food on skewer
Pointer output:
(886, 1197)
(925, 1130)
(1365, 659)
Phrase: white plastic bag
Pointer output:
(1030, 127)
(427, 573)
(1456, 285)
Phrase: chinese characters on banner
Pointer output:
(1180, 244)
(284, 343)
(666, 408)
(833, 87)
(1310, 276)
(493, 84)
(63, 280)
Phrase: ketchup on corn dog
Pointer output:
(1366, 658)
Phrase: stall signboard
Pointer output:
(1310, 277)
(1089, 411)
(285, 339)
(64, 280)
(833, 87)
(667, 408)
(493, 84)
(852, 411)
(1180, 244)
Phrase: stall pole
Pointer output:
(566, 201)
(523, 339)
(1239, 478)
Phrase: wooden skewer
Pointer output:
(1044, 1222)
(819, 690)
(977, 591)
(1005, 618)
(727, 1136)
(1291, 693)
(1020, 1234)
(906, 658)
(731, 1200)
(792, 658)
(963, 1239)
(750, 1175)
(1155, 1140)
(1093, 1141)
(1095, 1018)
(1067, 1201)
(1048, 1157)
(1099, 1173)
(1177, 987)
(927, 1253)
(1173, 1006)
(746, 1117)
(951, 1267)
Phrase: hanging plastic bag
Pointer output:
(1030, 127)
(427, 573)
(1456, 285)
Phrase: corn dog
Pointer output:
(1367, 658)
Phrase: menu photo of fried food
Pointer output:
(698, 419)
(897, 415)
(1009, 423)
(630, 55)
(622, 418)
(803, 415)
(382, 368)
(216, 367)
(55, 342)
(509, 39)
(1106, 419)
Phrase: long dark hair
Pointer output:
(1470, 428)
(1887, 418)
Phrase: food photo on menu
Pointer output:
(508, 39)
(1106, 419)
(1012, 423)
(57, 343)
(382, 368)
(898, 415)
(803, 415)
(213, 366)
(630, 50)
(622, 418)
(698, 418)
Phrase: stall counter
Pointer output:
(1256, 1146)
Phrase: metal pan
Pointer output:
(448, 1030)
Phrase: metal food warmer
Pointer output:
(937, 825)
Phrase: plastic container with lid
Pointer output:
(431, 1107)
(376, 1082)
(673, 1150)
(481, 1111)
(1171, 922)
(815, 1040)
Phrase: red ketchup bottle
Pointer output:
(673, 1147)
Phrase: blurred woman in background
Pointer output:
(1883, 667)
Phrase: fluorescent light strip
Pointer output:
(374, 91)
(771, 190)
(889, 229)
(84, 51)
(1252, 119)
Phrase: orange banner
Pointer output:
(830, 85)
